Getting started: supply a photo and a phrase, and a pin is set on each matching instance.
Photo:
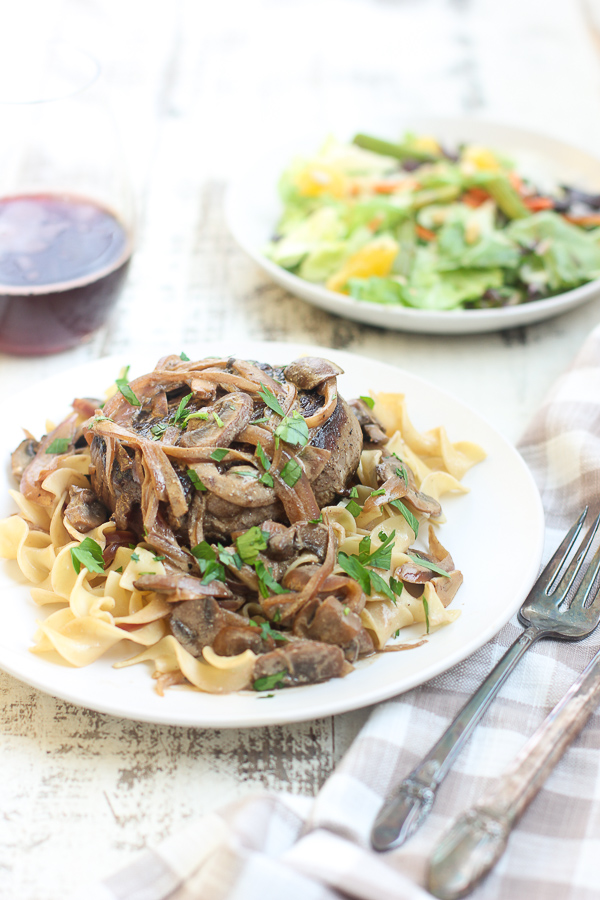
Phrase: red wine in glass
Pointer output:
(63, 260)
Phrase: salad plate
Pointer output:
(482, 531)
(254, 207)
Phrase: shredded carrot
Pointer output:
(593, 219)
(386, 187)
(475, 197)
(517, 182)
(424, 233)
(535, 204)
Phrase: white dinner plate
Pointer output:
(495, 534)
(253, 209)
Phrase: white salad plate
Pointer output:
(253, 208)
(495, 535)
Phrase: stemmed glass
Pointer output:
(66, 220)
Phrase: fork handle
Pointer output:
(478, 837)
(410, 802)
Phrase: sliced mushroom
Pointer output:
(373, 430)
(22, 456)
(181, 587)
(308, 372)
(225, 420)
(84, 511)
(234, 639)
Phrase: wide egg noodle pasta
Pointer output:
(213, 674)
(32, 550)
(382, 619)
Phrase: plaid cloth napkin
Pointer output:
(298, 848)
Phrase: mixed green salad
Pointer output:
(414, 225)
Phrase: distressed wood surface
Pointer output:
(197, 87)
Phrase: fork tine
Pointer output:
(547, 580)
(584, 590)
(568, 579)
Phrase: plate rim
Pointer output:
(460, 321)
(349, 699)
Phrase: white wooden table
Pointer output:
(197, 86)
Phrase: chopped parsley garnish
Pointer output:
(266, 479)
(196, 480)
(259, 421)
(158, 558)
(368, 400)
(265, 697)
(354, 492)
(293, 430)
(353, 508)
(251, 543)
(119, 570)
(203, 550)
(277, 616)
(88, 554)
(123, 386)
(428, 565)
(266, 631)
(135, 557)
(179, 415)
(356, 570)
(316, 521)
(378, 493)
(397, 633)
(396, 586)
(268, 682)
(382, 557)
(229, 557)
(346, 610)
(271, 400)
(157, 431)
(217, 419)
(98, 419)
(245, 473)
(378, 584)
(264, 459)
(58, 445)
(401, 470)
(410, 517)
(266, 582)
(219, 454)
(201, 414)
(184, 357)
(426, 611)
(291, 472)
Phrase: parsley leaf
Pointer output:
(291, 472)
(268, 682)
(135, 557)
(211, 570)
(217, 419)
(293, 430)
(396, 586)
(364, 549)
(229, 557)
(201, 414)
(368, 400)
(264, 459)
(266, 632)
(271, 400)
(382, 557)
(58, 445)
(158, 558)
(353, 508)
(196, 480)
(354, 492)
(266, 581)
(88, 554)
(179, 416)
(251, 543)
(355, 569)
(219, 454)
(316, 521)
(380, 585)
(266, 479)
(426, 610)
(123, 386)
(184, 357)
(203, 550)
(378, 493)
(410, 517)
(157, 431)
(428, 565)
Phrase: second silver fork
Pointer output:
(405, 809)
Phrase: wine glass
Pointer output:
(66, 220)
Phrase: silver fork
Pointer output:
(410, 802)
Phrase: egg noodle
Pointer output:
(98, 609)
